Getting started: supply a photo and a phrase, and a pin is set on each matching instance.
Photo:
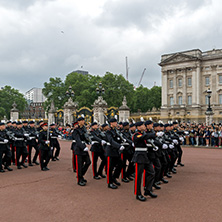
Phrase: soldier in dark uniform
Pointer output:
(127, 154)
(82, 147)
(179, 134)
(21, 149)
(97, 149)
(113, 149)
(153, 154)
(12, 142)
(172, 152)
(4, 149)
(75, 125)
(32, 143)
(44, 147)
(132, 129)
(54, 142)
(142, 162)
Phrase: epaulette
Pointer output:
(41, 130)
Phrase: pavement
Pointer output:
(193, 194)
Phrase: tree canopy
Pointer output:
(8, 96)
(116, 86)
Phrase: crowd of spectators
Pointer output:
(202, 135)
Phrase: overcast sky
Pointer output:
(40, 39)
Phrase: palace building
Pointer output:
(186, 77)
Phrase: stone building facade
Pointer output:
(186, 77)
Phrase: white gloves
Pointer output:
(122, 148)
(155, 148)
(160, 134)
(59, 136)
(51, 148)
(5, 141)
(181, 139)
(133, 145)
(103, 142)
(171, 146)
(47, 142)
(164, 146)
(175, 142)
(86, 149)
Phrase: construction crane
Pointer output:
(141, 77)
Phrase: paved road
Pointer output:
(194, 194)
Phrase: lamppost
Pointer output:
(100, 90)
(209, 112)
(70, 92)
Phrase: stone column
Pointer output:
(164, 88)
(99, 109)
(14, 114)
(69, 108)
(124, 111)
(213, 84)
(184, 87)
(51, 113)
(175, 88)
(198, 84)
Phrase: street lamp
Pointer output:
(100, 90)
(209, 112)
(70, 92)
(209, 109)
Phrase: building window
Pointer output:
(207, 81)
(206, 100)
(189, 82)
(220, 99)
(171, 83)
(180, 100)
(179, 82)
(220, 79)
(189, 100)
(171, 101)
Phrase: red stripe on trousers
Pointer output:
(40, 158)
(16, 163)
(136, 178)
(122, 167)
(93, 163)
(77, 168)
(108, 162)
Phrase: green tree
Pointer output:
(8, 96)
(54, 91)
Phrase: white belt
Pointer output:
(93, 142)
(54, 137)
(19, 138)
(31, 138)
(141, 149)
(125, 144)
(3, 143)
(149, 145)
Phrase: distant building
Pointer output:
(81, 72)
(35, 95)
(186, 77)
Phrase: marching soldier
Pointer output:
(127, 154)
(21, 149)
(75, 125)
(113, 149)
(98, 141)
(4, 149)
(153, 154)
(142, 162)
(12, 142)
(81, 151)
(54, 142)
(44, 147)
(32, 143)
